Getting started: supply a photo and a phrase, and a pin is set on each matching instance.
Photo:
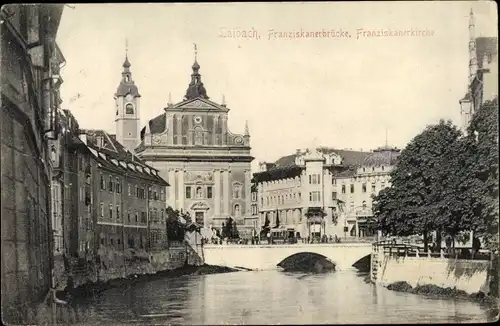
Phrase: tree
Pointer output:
(227, 228)
(480, 159)
(234, 232)
(417, 201)
(175, 229)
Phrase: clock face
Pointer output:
(238, 140)
(197, 119)
(129, 97)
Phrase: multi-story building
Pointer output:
(483, 73)
(322, 191)
(28, 84)
(130, 199)
(207, 166)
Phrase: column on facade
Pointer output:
(170, 130)
(171, 190)
(217, 193)
(225, 191)
(224, 130)
(215, 125)
(248, 194)
(181, 191)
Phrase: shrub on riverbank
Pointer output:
(436, 291)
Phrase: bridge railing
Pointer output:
(389, 248)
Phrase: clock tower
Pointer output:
(127, 114)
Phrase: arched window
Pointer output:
(364, 204)
(237, 210)
(129, 108)
(199, 192)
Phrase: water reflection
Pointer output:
(270, 297)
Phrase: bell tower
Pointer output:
(127, 109)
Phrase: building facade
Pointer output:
(129, 202)
(207, 166)
(322, 191)
(29, 100)
(483, 73)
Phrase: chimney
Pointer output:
(83, 138)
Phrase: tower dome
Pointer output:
(382, 156)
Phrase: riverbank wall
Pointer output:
(118, 264)
(470, 276)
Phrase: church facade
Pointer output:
(206, 165)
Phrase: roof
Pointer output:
(127, 88)
(382, 156)
(157, 125)
(485, 46)
(285, 166)
(351, 158)
(112, 154)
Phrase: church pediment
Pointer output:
(199, 104)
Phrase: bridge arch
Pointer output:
(307, 262)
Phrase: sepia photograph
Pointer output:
(249, 163)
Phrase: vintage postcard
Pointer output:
(249, 163)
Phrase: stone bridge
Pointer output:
(265, 257)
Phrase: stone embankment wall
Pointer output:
(471, 276)
(113, 264)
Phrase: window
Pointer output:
(352, 188)
(117, 212)
(314, 179)
(373, 187)
(102, 210)
(155, 194)
(334, 195)
(128, 215)
(118, 188)
(162, 194)
(129, 108)
(118, 241)
(110, 211)
(129, 190)
(364, 204)
(237, 211)
(334, 181)
(262, 201)
(363, 187)
(343, 189)
(364, 169)
(373, 169)
(112, 241)
(314, 196)
(254, 196)
(382, 168)
(143, 217)
(136, 191)
(382, 185)
(188, 192)
(150, 193)
(209, 192)
(199, 192)
(103, 183)
(136, 216)
(351, 204)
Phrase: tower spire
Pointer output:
(223, 100)
(196, 88)
(247, 131)
(472, 46)
(386, 143)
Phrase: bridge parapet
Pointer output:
(263, 257)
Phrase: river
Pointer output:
(270, 297)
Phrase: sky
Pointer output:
(345, 92)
